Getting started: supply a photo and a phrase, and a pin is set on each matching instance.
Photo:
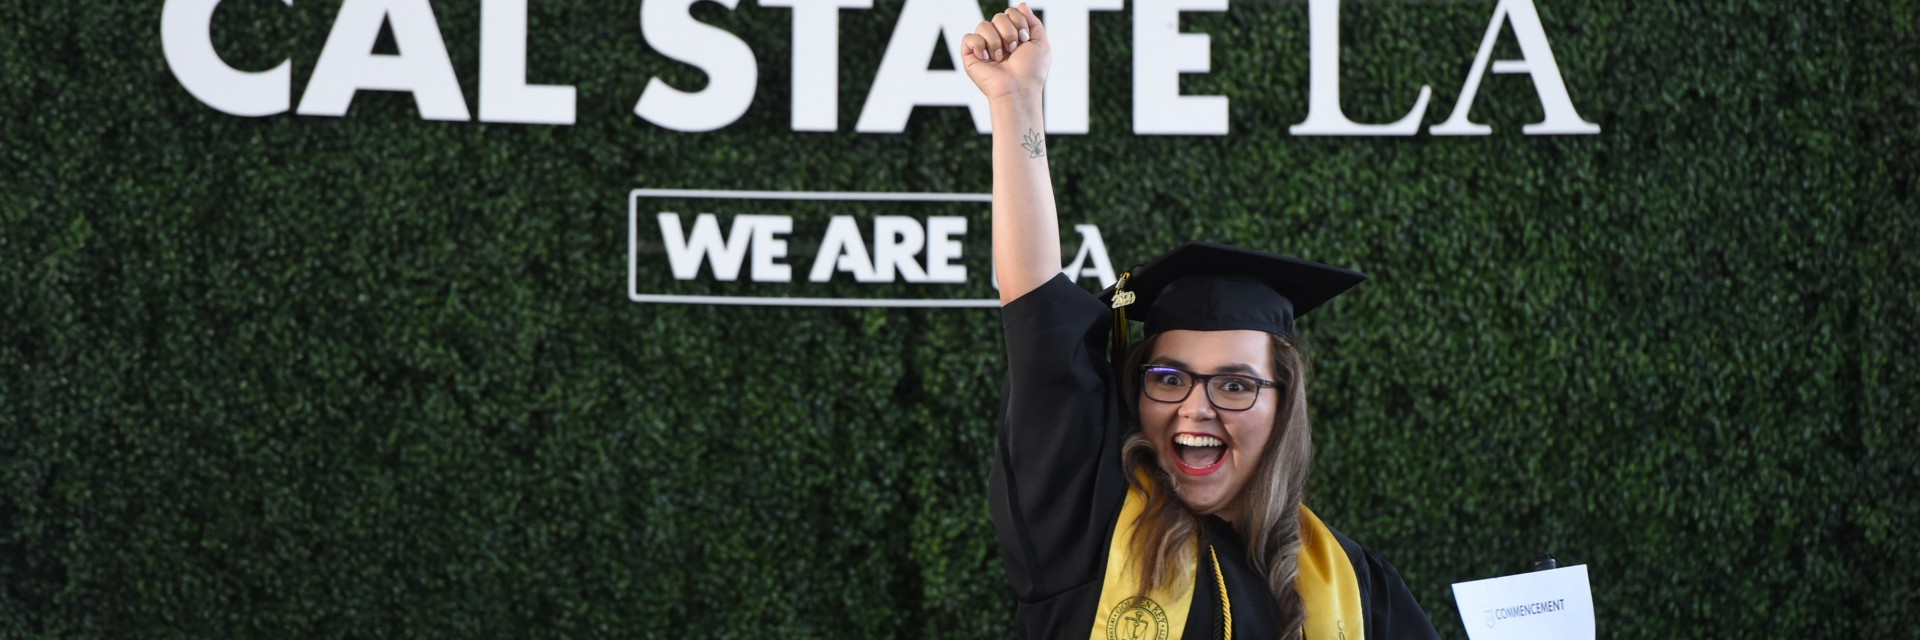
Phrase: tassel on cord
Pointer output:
(1121, 298)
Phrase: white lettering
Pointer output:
(1094, 249)
(1160, 54)
(505, 95)
(816, 60)
(685, 252)
(897, 239)
(347, 63)
(1536, 61)
(904, 82)
(942, 249)
(843, 250)
(1324, 116)
(669, 28)
(186, 40)
(766, 248)
(1069, 24)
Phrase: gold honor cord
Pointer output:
(1226, 604)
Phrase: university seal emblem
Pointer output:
(1137, 618)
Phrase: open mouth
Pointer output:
(1198, 454)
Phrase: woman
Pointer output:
(1160, 499)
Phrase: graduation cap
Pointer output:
(1207, 286)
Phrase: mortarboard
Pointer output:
(1207, 286)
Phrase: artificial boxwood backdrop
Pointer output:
(377, 376)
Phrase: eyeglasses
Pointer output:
(1230, 392)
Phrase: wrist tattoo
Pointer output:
(1035, 145)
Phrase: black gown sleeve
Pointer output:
(1056, 486)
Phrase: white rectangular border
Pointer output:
(633, 247)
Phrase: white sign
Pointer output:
(1160, 54)
(858, 246)
(1556, 604)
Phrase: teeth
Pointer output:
(1197, 441)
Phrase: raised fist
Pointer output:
(1007, 56)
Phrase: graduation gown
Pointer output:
(1058, 490)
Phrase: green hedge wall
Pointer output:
(377, 377)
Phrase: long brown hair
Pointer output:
(1270, 523)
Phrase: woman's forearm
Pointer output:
(1007, 57)
(1026, 228)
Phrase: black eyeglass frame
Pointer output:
(1204, 380)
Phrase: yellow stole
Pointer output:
(1326, 584)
